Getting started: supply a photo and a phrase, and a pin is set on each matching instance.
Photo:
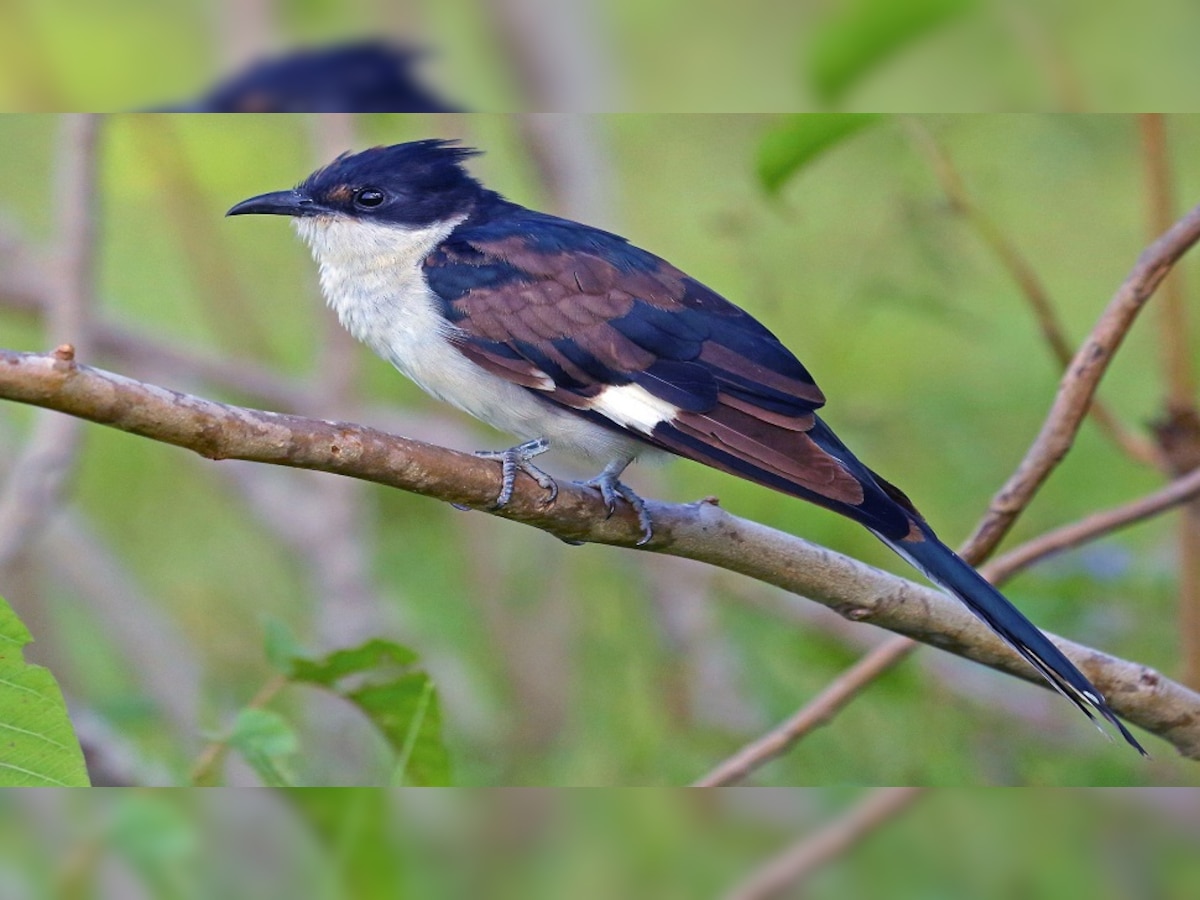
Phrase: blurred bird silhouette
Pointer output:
(366, 76)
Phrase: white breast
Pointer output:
(372, 278)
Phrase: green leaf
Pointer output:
(372, 657)
(408, 713)
(37, 743)
(413, 738)
(265, 740)
(796, 140)
(401, 700)
(860, 35)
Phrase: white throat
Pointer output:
(372, 278)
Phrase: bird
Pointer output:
(359, 76)
(572, 337)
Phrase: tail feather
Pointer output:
(947, 570)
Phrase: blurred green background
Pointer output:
(628, 55)
(587, 844)
(152, 593)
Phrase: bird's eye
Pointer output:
(368, 198)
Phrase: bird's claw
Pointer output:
(608, 493)
(610, 486)
(517, 459)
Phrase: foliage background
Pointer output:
(616, 843)
(626, 55)
(581, 666)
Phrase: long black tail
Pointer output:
(945, 568)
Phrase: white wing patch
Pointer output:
(632, 406)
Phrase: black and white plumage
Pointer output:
(569, 336)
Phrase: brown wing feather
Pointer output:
(562, 308)
(788, 453)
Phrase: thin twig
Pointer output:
(699, 531)
(994, 526)
(245, 30)
(1078, 385)
(880, 659)
(153, 358)
(1062, 423)
(161, 359)
(562, 68)
(1094, 526)
(786, 870)
(1179, 430)
(210, 757)
(1030, 285)
(185, 208)
(1036, 712)
(1044, 53)
(832, 699)
(37, 476)
(1176, 355)
(1189, 594)
(556, 54)
(575, 171)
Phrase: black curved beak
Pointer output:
(277, 203)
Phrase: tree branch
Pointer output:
(843, 689)
(1021, 271)
(1177, 357)
(700, 531)
(1098, 524)
(1058, 432)
(1082, 377)
(786, 870)
(1178, 430)
(833, 698)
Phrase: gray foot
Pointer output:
(517, 459)
(611, 487)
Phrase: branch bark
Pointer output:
(1181, 490)
(843, 689)
(1078, 385)
(700, 531)
(1075, 397)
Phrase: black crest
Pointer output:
(418, 183)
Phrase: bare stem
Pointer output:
(1179, 430)
(1177, 357)
(1062, 423)
(832, 699)
(212, 754)
(1078, 385)
(1099, 524)
(1030, 285)
(838, 694)
(785, 871)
